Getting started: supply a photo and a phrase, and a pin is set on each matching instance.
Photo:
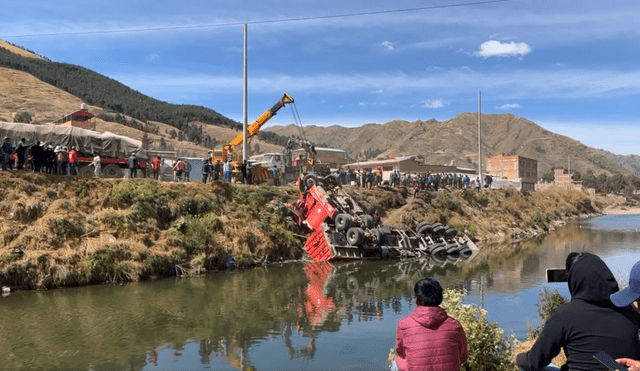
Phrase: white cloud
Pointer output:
(387, 45)
(154, 57)
(362, 104)
(493, 48)
(433, 103)
(508, 106)
(377, 91)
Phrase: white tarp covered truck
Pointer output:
(113, 148)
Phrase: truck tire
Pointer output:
(450, 232)
(367, 221)
(112, 171)
(439, 230)
(424, 222)
(355, 236)
(425, 229)
(86, 172)
(379, 236)
(310, 180)
(343, 222)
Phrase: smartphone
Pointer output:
(608, 362)
(557, 275)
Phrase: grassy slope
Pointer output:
(60, 231)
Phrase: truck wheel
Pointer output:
(112, 171)
(310, 180)
(367, 221)
(379, 236)
(450, 232)
(86, 172)
(424, 222)
(425, 229)
(343, 222)
(355, 236)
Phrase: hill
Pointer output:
(455, 141)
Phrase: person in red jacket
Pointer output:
(73, 160)
(428, 339)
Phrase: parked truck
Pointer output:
(113, 148)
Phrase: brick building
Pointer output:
(514, 167)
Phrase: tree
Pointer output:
(24, 117)
(146, 141)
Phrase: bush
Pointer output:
(196, 205)
(548, 302)
(66, 228)
(24, 117)
(488, 349)
(541, 220)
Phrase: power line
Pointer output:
(301, 19)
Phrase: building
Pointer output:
(82, 119)
(514, 167)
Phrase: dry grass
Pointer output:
(62, 231)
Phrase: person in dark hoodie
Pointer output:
(428, 339)
(586, 324)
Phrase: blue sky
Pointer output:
(569, 66)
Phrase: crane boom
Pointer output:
(260, 121)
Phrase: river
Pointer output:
(321, 316)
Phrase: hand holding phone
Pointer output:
(609, 362)
(557, 275)
(631, 364)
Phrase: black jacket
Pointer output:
(587, 324)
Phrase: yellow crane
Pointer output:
(227, 150)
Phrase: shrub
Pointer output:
(196, 205)
(488, 349)
(547, 303)
(24, 117)
(541, 220)
(66, 228)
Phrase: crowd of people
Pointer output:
(38, 157)
(598, 318)
(419, 181)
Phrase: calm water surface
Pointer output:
(288, 317)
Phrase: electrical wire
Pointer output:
(214, 25)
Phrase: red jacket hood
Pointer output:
(429, 317)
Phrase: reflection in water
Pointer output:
(319, 316)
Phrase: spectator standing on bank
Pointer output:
(7, 150)
(216, 170)
(155, 166)
(97, 163)
(132, 164)
(21, 153)
(73, 160)
(226, 168)
(187, 170)
(206, 169)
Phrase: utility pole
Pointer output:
(245, 113)
(479, 139)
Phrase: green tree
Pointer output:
(24, 117)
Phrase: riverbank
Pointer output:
(63, 231)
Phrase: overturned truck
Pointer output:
(338, 228)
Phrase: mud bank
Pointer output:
(62, 231)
